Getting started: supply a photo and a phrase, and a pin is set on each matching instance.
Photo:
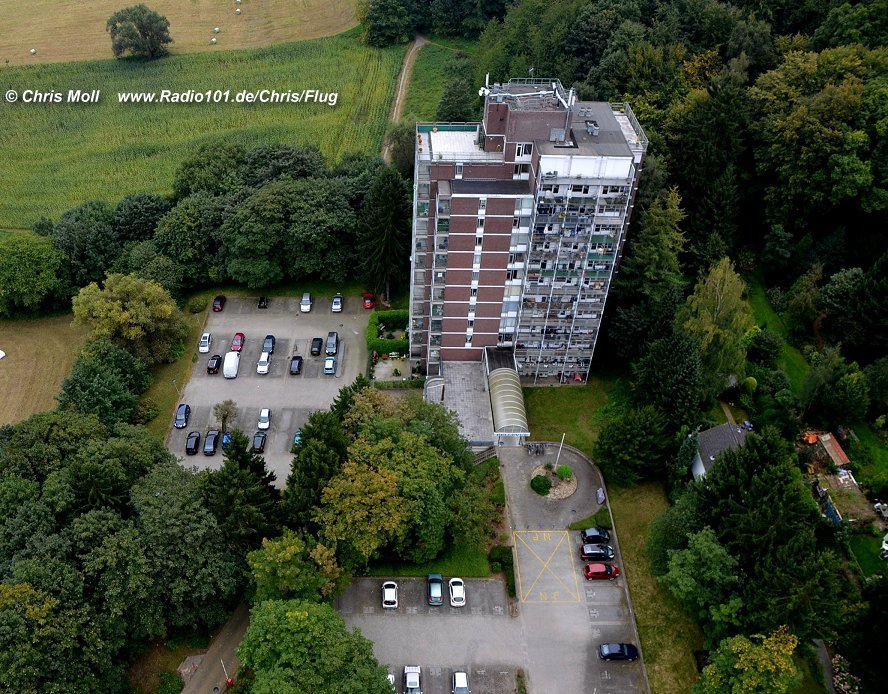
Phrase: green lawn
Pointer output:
(455, 561)
(432, 71)
(878, 467)
(56, 156)
(865, 547)
(579, 412)
(668, 636)
(791, 360)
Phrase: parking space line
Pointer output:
(549, 596)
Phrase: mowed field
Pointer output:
(56, 156)
(64, 30)
(39, 356)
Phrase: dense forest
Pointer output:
(756, 271)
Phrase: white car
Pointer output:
(460, 683)
(457, 592)
(264, 363)
(390, 595)
(205, 341)
(337, 304)
(330, 366)
(264, 419)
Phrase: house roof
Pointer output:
(713, 442)
(833, 449)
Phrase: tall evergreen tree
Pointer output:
(384, 231)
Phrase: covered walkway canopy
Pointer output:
(506, 398)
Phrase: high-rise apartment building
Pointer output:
(519, 222)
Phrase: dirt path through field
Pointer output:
(403, 85)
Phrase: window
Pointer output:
(470, 325)
(480, 222)
(476, 259)
(522, 169)
(459, 171)
(468, 339)
(516, 223)
(474, 292)
(479, 240)
(524, 149)
(482, 204)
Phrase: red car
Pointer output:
(237, 344)
(368, 299)
(218, 303)
(602, 572)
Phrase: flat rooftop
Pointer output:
(611, 140)
(458, 146)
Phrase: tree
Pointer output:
(136, 314)
(190, 236)
(361, 512)
(777, 251)
(215, 168)
(703, 578)
(30, 269)
(139, 31)
(136, 216)
(765, 348)
(762, 664)
(296, 646)
(632, 446)
(457, 103)
(837, 303)
(834, 392)
(719, 316)
(400, 139)
(283, 569)
(670, 378)
(85, 236)
(384, 22)
(319, 457)
(801, 305)
(865, 23)
(384, 231)
(196, 586)
(652, 268)
(272, 162)
(225, 412)
(245, 509)
(106, 380)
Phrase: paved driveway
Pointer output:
(480, 638)
(291, 398)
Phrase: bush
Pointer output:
(390, 319)
(499, 493)
(169, 684)
(197, 304)
(564, 472)
(495, 567)
(541, 485)
(500, 554)
(146, 412)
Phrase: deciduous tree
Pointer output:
(283, 569)
(30, 273)
(136, 314)
(139, 31)
(719, 316)
(297, 646)
(384, 22)
(136, 216)
(632, 446)
(760, 665)
(85, 235)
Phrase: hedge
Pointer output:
(392, 320)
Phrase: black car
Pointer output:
(211, 442)
(183, 412)
(192, 443)
(218, 303)
(317, 345)
(268, 344)
(596, 553)
(617, 651)
(259, 439)
(213, 364)
(435, 585)
(596, 536)
(296, 365)
(263, 302)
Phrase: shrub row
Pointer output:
(502, 555)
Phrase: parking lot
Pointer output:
(291, 398)
(480, 638)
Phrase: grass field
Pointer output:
(668, 636)
(791, 360)
(579, 412)
(57, 156)
(39, 356)
(65, 30)
(433, 69)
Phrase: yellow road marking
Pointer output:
(544, 596)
